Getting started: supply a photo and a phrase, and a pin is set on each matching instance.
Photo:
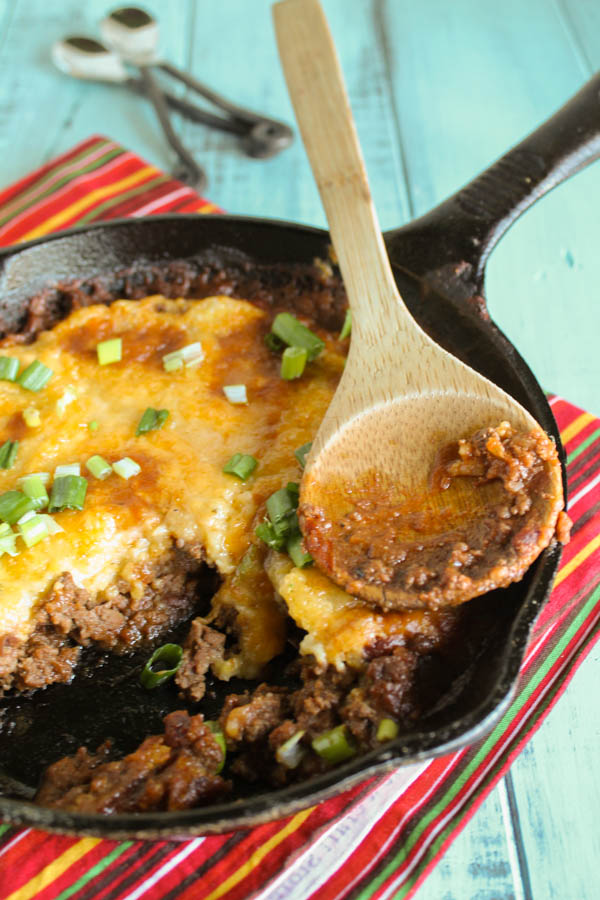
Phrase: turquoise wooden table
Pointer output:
(439, 90)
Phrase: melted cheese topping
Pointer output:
(339, 627)
(181, 493)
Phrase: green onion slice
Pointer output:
(71, 469)
(8, 454)
(9, 366)
(110, 351)
(236, 393)
(219, 737)
(290, 753)
(280, 505)
(274, 343)
(127, 467)
(35, 376)
(43, 476)
(32, 417)
(266, 532)
(34, 488)
(8, 541)
(52, 524)
(302, 452)
(295, 334)
(293, 362)
(68, 492)
(162, 665)
(241, 465)
(387, 730)
(93, 426)
(298, 556)
(334, 745)
(151, 420)
(32, 528)
(98, 466)
(347, 326)
(189, 356)
(14, 505)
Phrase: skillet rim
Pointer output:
(417, 747)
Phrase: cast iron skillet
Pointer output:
(439, 264)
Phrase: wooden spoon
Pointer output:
(379, 508)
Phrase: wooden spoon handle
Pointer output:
(316, 87)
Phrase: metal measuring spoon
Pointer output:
(83, 57)
(134, 34)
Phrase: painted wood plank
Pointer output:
(558, 789)
(470, 80)
(479, 863)
(44, 112)
(248, 71)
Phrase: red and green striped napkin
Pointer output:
(380, 839)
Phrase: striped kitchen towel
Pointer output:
(380, 839)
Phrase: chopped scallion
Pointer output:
(31, 417)
(8, 541)
(172, 362)
(68, 492)
(98, 466)
(290, 753)
(297, 554)
(295, 334)
(280, 505)
(93, 426)
(241, 465)
(334, 745)
(274, 343)
(189, 356)
(52, 524)
(9, 366)
(162, 665)
(71, 469)
(35, 376)
(33, 529)
(347, 326)
(293, 362)
(14, 505)
(43, 476)
(302, 452)
(127, 467)
(34, 488)
(235, 393)
(219, 737)
(281, 528)
(151, 420)
(266, 532)
(387, 730)
(110, 351)
(8, 454)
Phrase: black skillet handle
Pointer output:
(450, 244)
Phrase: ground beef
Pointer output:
(255, 718)
(71, 618)
(175, 770)
(117, 621)
(11, 648)
(314, 291)
(316, 704)
(48, 659)
(203, 646)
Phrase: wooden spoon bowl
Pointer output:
(385, 509)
